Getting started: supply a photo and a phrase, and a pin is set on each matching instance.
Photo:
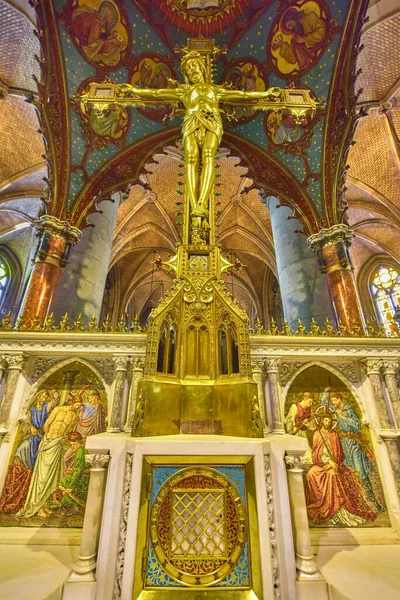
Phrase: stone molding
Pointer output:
(272, 528)
(123, 524)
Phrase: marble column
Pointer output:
(87, 268)
(117, 419)
(259, 377)
(303, 291)
(137, 374)
(332, 248)
(374, 376)
(85, 566)
(14, 367)
(275, 425)
(305, 563)
(56, 239)
(389, 368)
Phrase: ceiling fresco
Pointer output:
(268, 43)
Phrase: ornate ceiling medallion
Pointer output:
(198, 526)
(202, 17)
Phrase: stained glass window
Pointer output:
(4, 279)
(385, 287)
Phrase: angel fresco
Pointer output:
(282, 129)
(248, 76)
(152, 72)
(52, 487)
(342, 482)
(102, 125)
(97, 30)
(298, 39)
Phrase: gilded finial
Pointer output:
(93, 324)
(300, 328)
(286, 329)
(259, 327)
(78, 324)
(20, 324)
(6, 322)
(36, 323)
(329, 330)
(121, 324)
(106, 327)
(314, 328)
(49, 322)
(371, 331)
(64, 323)
(342, 329)
(274, 329)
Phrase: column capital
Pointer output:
(57, 228)
(137, 363)
(97, 461)
(14, 361)
(258, 365)
(373, 365)
(121, 363)
(272, 365)
(331, 236)
(390, 366)
(295, 460)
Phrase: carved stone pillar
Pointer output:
(258, 369)
(117, 419)
(14, 365)
(332, 249)
(374, 376)
(137, 374)
(84, 568)
(305, 563)
(389, 368)
(56, 239)
(276, 422)
(3, 366)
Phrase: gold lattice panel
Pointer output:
(198, 524)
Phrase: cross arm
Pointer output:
(298, 101)
(123, 94)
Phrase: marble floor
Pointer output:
(36, 571)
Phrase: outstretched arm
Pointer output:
(124, 94)
(298, 101)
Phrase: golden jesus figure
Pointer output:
(202, 128)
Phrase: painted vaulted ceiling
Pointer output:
(83, 159)
(268, 43)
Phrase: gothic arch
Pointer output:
(53, 369)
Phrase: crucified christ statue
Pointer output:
(204, 102)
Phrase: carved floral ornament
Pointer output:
(97, 461)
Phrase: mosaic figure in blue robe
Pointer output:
(354, 450)
(37, 416)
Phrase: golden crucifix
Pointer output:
(203, 103)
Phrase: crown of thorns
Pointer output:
(193, 55)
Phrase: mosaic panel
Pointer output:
(342, 482)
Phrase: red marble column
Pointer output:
(332, 247)
(56, 237)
